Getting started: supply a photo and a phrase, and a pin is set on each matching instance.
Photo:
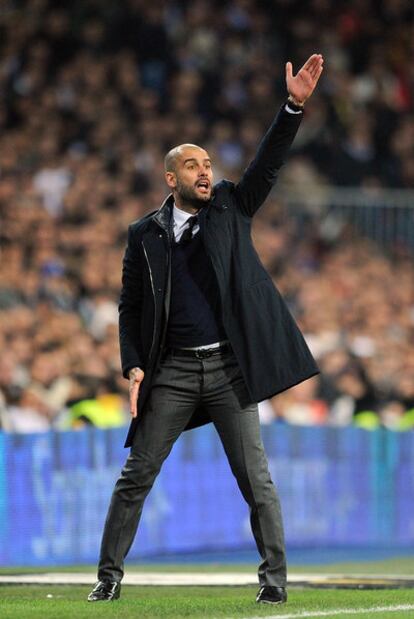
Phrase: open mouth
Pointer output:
(203, 186)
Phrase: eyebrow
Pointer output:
(194, 159)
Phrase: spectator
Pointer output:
(94, 94)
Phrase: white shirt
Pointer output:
(180, 218)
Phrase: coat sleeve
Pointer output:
(260, 176)
(129, 308)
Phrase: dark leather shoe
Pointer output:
(105, 591)
(271, 595)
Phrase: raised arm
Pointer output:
(260, 176)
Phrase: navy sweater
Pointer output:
(195, 313)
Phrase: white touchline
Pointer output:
(342, 611)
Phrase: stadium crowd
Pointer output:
(94, 93)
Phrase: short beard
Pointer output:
(188, 196)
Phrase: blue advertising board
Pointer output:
(338, 486)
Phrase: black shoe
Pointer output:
(272, 595)
(105, 591)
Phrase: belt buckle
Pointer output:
(204, 353)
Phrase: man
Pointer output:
(204, 336)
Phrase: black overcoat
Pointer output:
(268, 345)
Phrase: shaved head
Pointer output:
(171, 158)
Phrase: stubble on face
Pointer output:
(188, 195)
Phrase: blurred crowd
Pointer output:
(94, 92)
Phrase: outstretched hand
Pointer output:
(301, 86)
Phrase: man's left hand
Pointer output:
(302, 85)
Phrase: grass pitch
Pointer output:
(69, 602)
(24, 602)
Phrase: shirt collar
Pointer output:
(180, 217)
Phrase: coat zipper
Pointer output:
(155, 302)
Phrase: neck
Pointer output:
(187, 206)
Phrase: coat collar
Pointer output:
(163, 216)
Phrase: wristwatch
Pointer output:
(294, 105)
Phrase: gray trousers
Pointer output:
(180, 385)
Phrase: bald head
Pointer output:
(180, 153)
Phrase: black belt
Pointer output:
(202, 353)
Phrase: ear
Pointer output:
(171, 180)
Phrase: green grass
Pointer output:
(68, 602)
(31, 601)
